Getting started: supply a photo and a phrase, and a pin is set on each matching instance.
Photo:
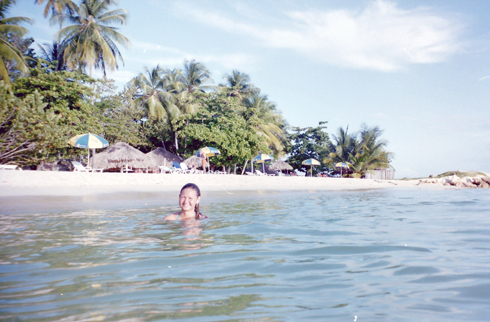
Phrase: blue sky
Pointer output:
(420, 72)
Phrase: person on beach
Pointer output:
(189, 199)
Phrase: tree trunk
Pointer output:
(176, 142)
(244, 167)
(163, 143)
(234, 170)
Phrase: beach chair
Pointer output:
(260, 174)
(250, 173)
(185, 169)
(9, 167)
(126, 169)
(176, 168)
(164, 169)
(78, 167)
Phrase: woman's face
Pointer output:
(188, 199)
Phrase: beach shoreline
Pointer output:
(52, 183)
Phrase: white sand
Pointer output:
(30, 183)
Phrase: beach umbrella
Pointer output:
(311, 163)
(194, 161)
(261, 158)
(280, 165)
(88, 141)
(122, 155)
(207, 152)
(163, 157)
(341, 165)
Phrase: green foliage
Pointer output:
(218, 125)
(306, 143)
(267, 121)
(362, 152)
(11, 57)
(66, 95)
(29, 132)
(91, 42)
(123, 122)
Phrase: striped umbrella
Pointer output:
(88, 141)
(311, 163)
(207, 152)
(341, 165)
(261, 158)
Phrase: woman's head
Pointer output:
(189, 198)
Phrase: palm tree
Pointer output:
(8, 52)
(238, 85)
(155, 97)
(195, 77)
(91, 42)
(153, 94)
(267, 121)
(57, 8)
(370, 151)
(343, 147)
(52, 53)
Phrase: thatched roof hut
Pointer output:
(280, 165)
(120, 155)
(196, 161)
(162, 157)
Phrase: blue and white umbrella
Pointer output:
(261, 158)
(205, 153)
(341, 165)
(311, 163)
(88, 141)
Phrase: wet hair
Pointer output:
(194, 187)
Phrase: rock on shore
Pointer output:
(464, 182)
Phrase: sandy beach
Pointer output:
(30, 183)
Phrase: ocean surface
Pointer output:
(376, 255)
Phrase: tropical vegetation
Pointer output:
(45, 100)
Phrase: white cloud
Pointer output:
(382, 36)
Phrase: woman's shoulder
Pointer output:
(173, 216)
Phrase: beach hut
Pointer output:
(122, 156)
(195, 161)
(163, 157)
(280, 165)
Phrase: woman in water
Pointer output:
(189, 199)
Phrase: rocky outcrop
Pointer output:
(455, 181)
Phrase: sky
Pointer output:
(421, 72)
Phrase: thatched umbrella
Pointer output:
(122, 155)
(162, 157)
(280, 165)
(194, 160)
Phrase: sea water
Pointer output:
(375, 255)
